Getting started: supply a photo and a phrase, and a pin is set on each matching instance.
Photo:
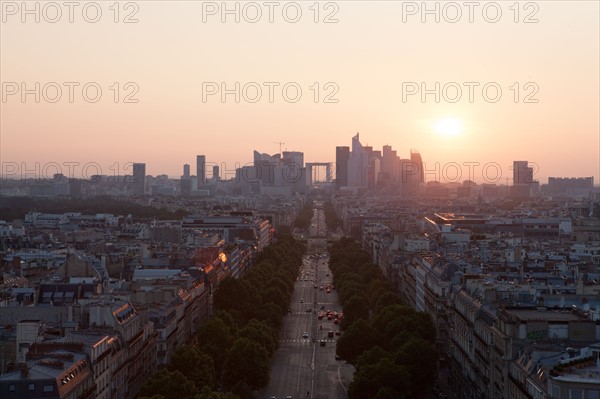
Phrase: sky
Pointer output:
(156, 82)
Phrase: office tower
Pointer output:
(389, 163)
(186, 181)
(215, 173)
(522, 180)
(374, 169)
(269, 168)
(358, 164)
(294, 171)
(522, 173)
(139, 178)
(293, 157)
(417, 161)
(342, 155)
(200, 171)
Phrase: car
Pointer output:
(330, 334)
(323, 342)
(338, 332)
(305, 335)
(338, 357)
(309, 310)
(301, 300)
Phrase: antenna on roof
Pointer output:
(280, 144)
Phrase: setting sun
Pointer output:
(449, 127)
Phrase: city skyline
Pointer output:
(376, 69)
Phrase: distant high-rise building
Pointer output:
(358, 164)
(522, 180)
(266, 166)
(186, 181)
(374, 169)
(200, 171)
(342, 155)
(215, 173)
(294, 171)
(139, 178)
(389, 164)
(293, 157)
(416, 159)
(522, 173)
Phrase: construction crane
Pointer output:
(280, 144)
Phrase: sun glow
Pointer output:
(449, 127)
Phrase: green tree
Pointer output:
(196, 366)
(385, 375)
(420, 359)
(214, 338)
(206, 393)
(354, 308)
(261, 333)
(170, 384)
(398, 323)
(248, 362)
(271, 313)
(384, 300)
(359, 337)
(372, 356)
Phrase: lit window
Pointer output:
(32, 387)
(48, 388)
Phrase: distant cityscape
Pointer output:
(356, 169)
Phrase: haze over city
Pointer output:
(377, 68)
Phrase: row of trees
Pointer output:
(305, 216)
(391, 345)
(331, 218)
(230, 356)
(16, 207)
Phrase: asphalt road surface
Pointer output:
(301, 367)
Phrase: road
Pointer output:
(301, 367)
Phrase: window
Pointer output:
(32, 387)
(575, 394)
(48, 388)
(11, 387)
(592, 394)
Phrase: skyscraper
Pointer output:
(415, 158)
(200, 171)
(186, 181)
(342, 155)
(522, 180)
(215, 173)
(358, 164)
(266, 166)
(522, 173)
(139, 178)
(389, 164)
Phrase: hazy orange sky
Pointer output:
(371, 56)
